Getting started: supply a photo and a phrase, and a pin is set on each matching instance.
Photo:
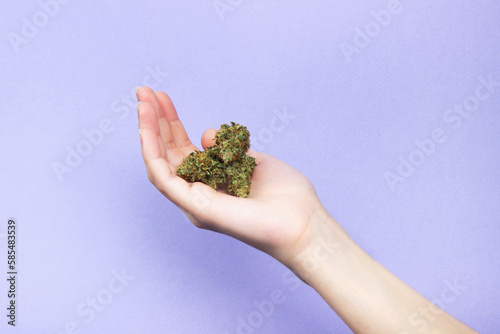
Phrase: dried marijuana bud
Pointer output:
(233, 140)
(226, 162)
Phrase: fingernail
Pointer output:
(140, 136)
(137, 93)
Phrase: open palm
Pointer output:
(273, 218)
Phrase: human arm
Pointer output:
(283, 217)
(367, 297)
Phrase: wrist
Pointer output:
(324, 245)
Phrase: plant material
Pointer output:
(224, 163)
(233, 141)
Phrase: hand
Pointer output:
(283, 217)
(275, 216)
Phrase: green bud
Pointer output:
(226, 162)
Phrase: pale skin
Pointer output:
(284, 218)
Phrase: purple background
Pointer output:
(353, 118)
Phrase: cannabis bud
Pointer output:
(225, 163)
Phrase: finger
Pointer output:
(179, 136)
(194, 198)
(147, 117)
(148, 123)
(146, 94)
(173, 154)
(160, 172)
(208, 138)
(150, 149)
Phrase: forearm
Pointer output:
(362, 292)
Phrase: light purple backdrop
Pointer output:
(391, 108)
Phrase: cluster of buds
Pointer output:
(226, 163)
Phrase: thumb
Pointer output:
(208, 138)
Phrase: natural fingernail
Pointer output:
(137, 93)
